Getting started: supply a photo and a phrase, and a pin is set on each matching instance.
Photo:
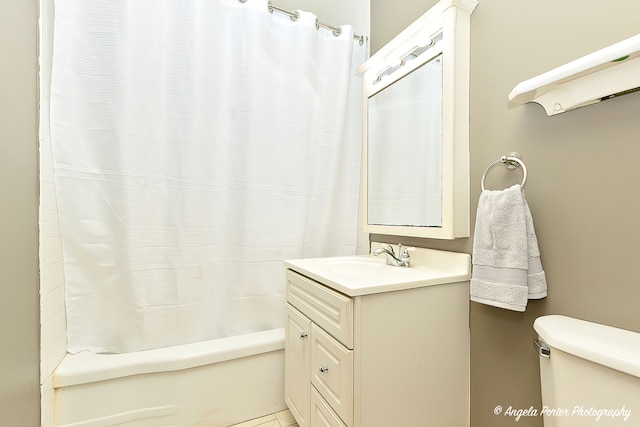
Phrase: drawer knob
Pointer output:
(323, 369)
(303, 335)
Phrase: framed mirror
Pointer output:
(416, 150)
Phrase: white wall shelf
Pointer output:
(601, 75)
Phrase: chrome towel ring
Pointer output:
(511, 161)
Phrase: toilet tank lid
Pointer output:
(615, 348)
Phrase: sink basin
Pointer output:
(366, 274)
(352, 263)
(368, 268)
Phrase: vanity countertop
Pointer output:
(358, 275)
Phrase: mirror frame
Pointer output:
(450, 22)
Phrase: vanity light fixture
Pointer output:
(423, 42)
(601, 75)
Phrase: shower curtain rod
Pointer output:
(295, 15)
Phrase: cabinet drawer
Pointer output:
(321, 413)
(327, 308)
(332, 372)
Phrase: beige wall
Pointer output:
(583, 187)
(19, 323)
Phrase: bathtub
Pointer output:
(211, 383)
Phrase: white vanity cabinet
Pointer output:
(375, 356)
(316, 358)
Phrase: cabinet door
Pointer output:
(297, 359)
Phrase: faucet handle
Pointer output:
(390, 249)
(404, 255)
(405, 258)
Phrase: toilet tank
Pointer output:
(590, 373)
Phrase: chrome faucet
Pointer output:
(392, 259)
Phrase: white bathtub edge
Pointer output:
(86, 367)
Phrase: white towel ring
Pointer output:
(511, 161)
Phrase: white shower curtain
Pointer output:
(196, 144)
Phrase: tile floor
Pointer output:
(279, 419)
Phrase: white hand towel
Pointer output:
(507, 270)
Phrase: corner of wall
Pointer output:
(53, 323)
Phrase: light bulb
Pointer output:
(394, 62)
(424, 39)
